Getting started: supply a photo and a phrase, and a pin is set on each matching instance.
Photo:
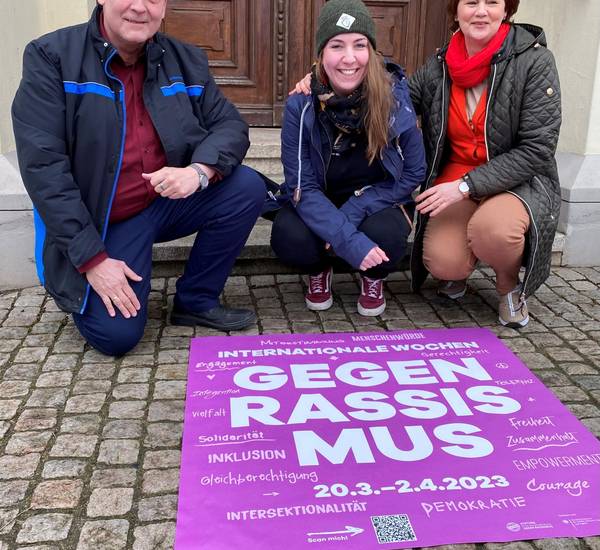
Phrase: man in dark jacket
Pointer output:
(124, 140)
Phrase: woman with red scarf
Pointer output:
(490, 107)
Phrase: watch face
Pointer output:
(463, 187)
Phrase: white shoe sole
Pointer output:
(454, 296)
(370, 312)
(514, 324)
(319, 306)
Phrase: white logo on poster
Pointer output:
(514, 527)
(345, 21)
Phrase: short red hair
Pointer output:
(511, 8)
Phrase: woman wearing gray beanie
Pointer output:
(352, 155)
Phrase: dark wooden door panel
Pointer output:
(237, 37)
(258, 49)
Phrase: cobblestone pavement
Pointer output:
(90, 445)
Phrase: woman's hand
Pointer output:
(437, 198)
(302, 87)
(374, 257)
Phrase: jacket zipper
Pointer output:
(547, 194)
(437, 151)
(120, 97)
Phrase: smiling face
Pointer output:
(344, 60)
(130, 24)
(479, 21)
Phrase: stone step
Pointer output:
(257, 257)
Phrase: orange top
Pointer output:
(466, 137)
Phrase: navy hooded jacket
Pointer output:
(305, 158)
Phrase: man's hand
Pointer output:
(109, 280)
(302, 87)
(437, 198)
(374, 257)
(177, 183)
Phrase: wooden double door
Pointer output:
(258, 49)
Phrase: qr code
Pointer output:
(395, 528)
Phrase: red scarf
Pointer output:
(466, 71)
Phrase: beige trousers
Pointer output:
(492, 231)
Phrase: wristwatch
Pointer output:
(202, 175)
(463, 187)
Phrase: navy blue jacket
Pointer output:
(305, 158)
(69, 122)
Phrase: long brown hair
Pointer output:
(378, 101)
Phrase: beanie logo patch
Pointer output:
(345, 21)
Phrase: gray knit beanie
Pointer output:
(344, 16)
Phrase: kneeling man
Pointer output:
(124, 140)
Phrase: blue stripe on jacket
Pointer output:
(180, 88)
(80, 88)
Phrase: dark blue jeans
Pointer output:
(296, 245)
(223, 215)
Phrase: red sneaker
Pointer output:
(318, 297)
(371, 301)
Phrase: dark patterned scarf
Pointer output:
(345, 112)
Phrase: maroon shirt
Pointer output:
(143, 151)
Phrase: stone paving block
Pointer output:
(113, 477)
(119, 451)
(91, 386)
(74, 445)
(36, 419)
(14, 388)
(157, 508)
(122, 429)
(162, 459)
(6, 346)
(81, 424)
(171, 372)
(166, 410)
(54, 379)
(64, 493)
(18, 467)
(127, 409)
(95, 372)
(132, 375)
(7, 519)
(173, 356)
(160, 481)
(61, 362)
(12, 492)
(145, 360)
(557, 544)
(593, 424)
(45, 527)
(87, 403)
(570, 393)
(31, 355)
(588, 382)
(158, 536)
(46, 397)
(163, 434)
(21, 372)
(173, 389)
(39, 340)
(110, 502)
(8, 408)
(106, 535)
(27, 442)
(63, 468)
(130, 391)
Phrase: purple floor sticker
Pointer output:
(381, 440)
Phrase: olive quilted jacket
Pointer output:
(523, 117)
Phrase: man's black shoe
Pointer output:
(218, 317)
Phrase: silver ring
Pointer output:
(115, 299)
(160, 187)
